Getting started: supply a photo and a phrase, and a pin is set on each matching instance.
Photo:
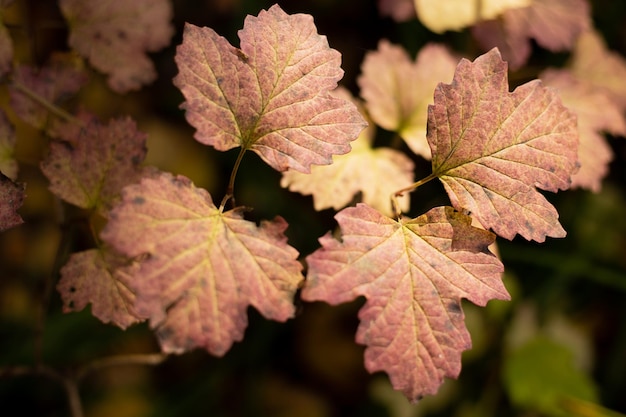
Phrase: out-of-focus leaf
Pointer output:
(62, 77)
(376, 172)
(492, 148)
(413, 274)
(397, 91)
(272, 95)
(554, 24)
(11, 198)
(442, 15)
(541, 375)
(594, 62)
(95, 161)
(115, 36)
(202, 268)
(6, 44)
(96, 276)
(596, 113)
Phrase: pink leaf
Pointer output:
(96, 276)
(397, 91)
(95, 161)
(398, 10)
(554, 24)
(376, 172)
(11, 198)
(413, 274)
(115, 36)
(272, 96)
(59, 79)
(596, 113)
(202, 267)
(492, 149)
(605, 69)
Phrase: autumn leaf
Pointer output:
(492, 149)
(413, 274)
(272, 95)
(397, 91)
(115, 36)
(34, 90)
(95, 161)
(8, 164)
(596, 113)
(96, 276)
(594, 62)
(202, 267)
(554, 24)
(11, 198)
(442, 15)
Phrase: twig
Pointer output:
(120, 360)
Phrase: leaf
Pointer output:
(398, 10)
(376, 172)
(541, 375)
(596, 113)
(492, 149)
(115, 36)
(59, 79)
(445, 15)
(202, 267)
(594, 62)
(11, 198)
(8, 164)
(272, 96)
(413, 274)
(95, 161)
(554, 24)
(397, 92)
(96, 276)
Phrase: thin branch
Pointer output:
(121, 360)
(394, 197)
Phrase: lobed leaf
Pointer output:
(95, 161)
(11, 198)
(413, 274)
(96, 276)
(272, 95)
(492, 149)
(202, 268)
(554, 24)
(115, 36)
(397, 91)
(596, 113)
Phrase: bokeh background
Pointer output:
(557, 349)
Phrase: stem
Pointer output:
(400, 193)
(121, 360)
(57, 111)
(231, 183)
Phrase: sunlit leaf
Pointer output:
(413, 274)
(202, 268)
(272, 95)
(397, 91)
(492, 149)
